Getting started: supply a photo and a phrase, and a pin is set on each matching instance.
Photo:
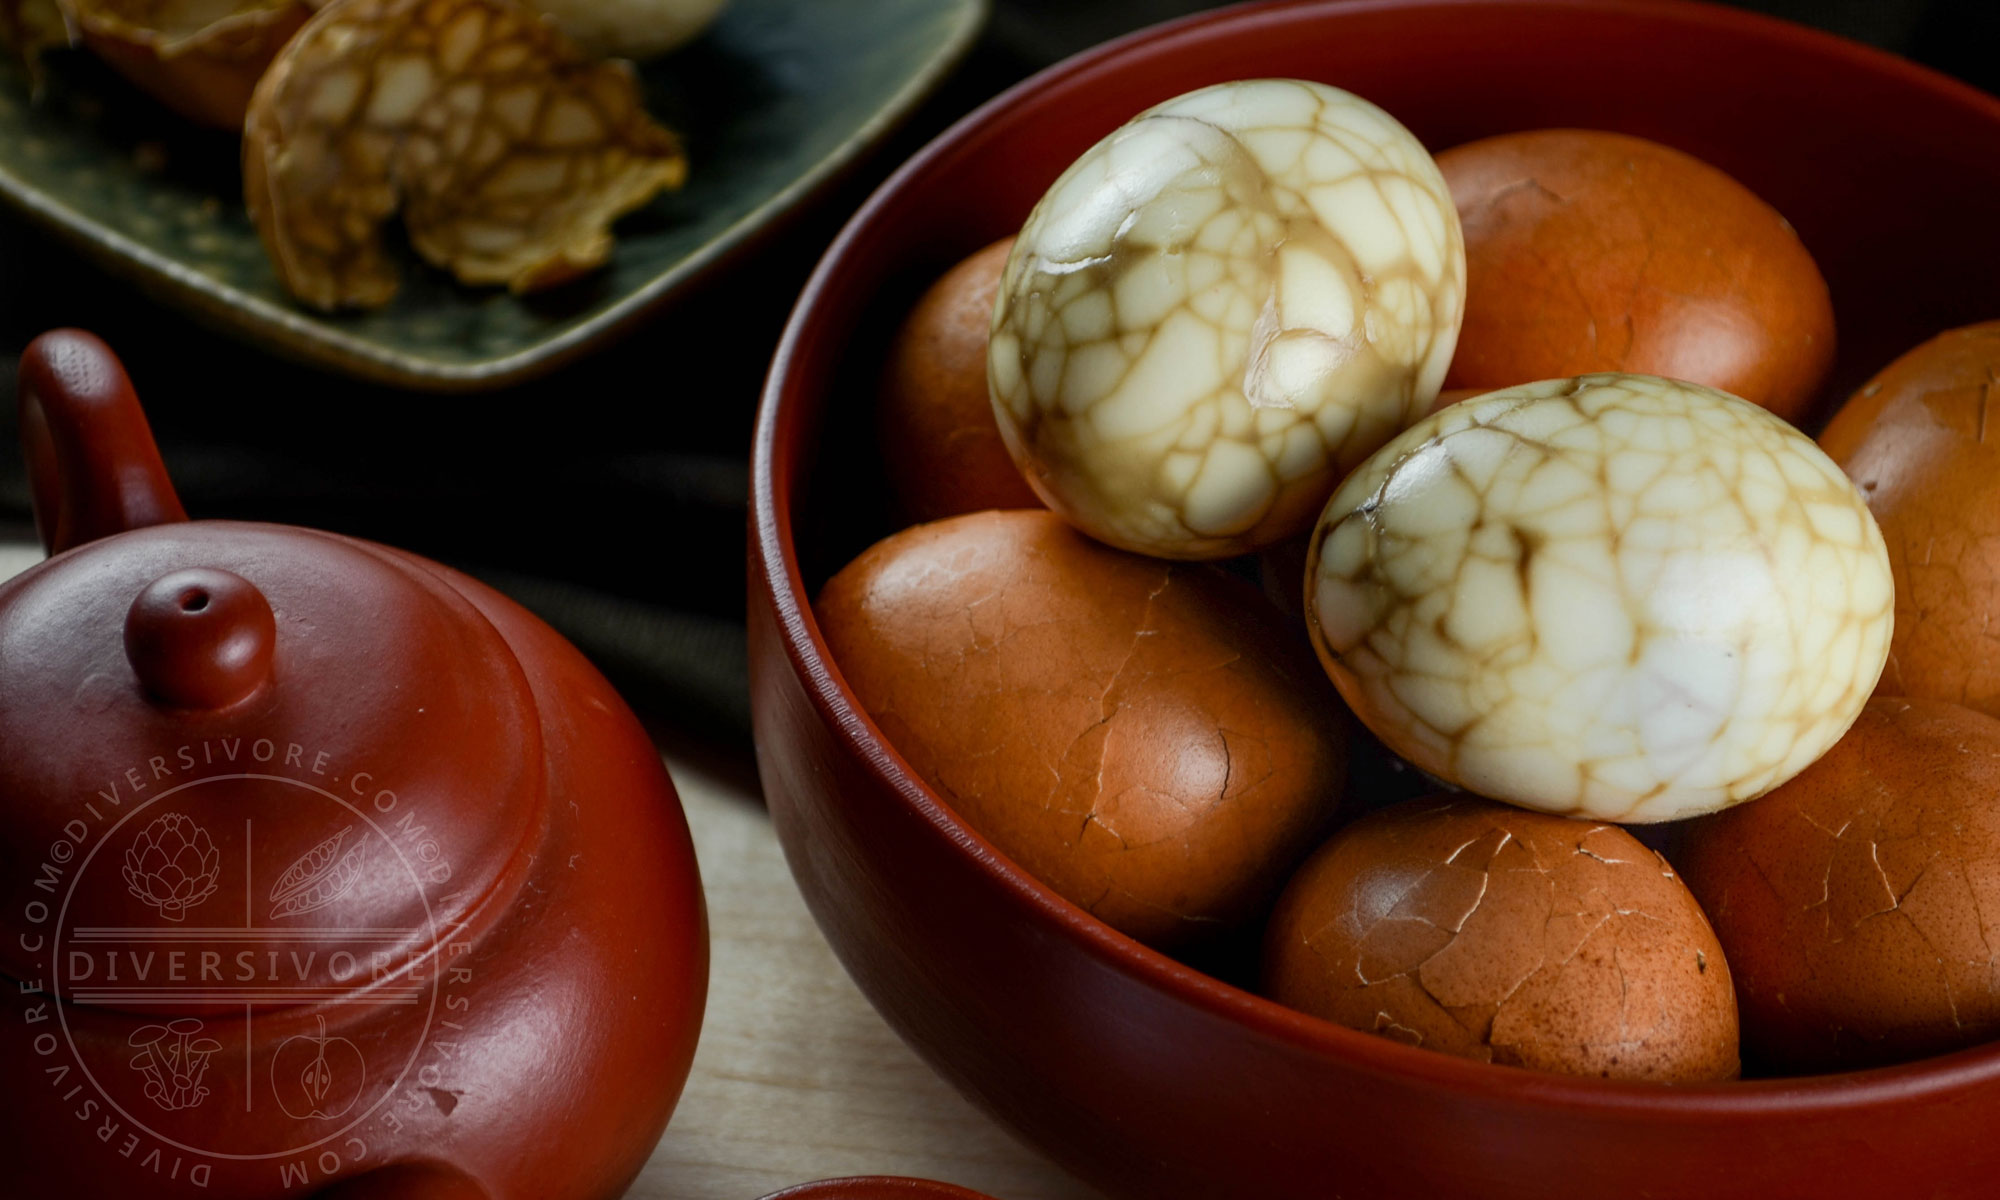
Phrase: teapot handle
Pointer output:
(92, 462)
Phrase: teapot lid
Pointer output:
(242, 766)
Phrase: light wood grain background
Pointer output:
(797, 1078)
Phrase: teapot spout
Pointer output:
(92, 462)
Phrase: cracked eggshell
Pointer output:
(506, 150)
(1858, 903)
(1221, 308)
(202, 60)
(1136, 734)
(1615, 596)
(942, 451)
(1922, 441)
(1507, 936)
(1590, 251)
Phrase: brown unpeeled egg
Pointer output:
(1507, 936)
(1144, 737)
(1922, 441)
(1451, 396)
(1589, 251)
(939, 439)
(1859, 904)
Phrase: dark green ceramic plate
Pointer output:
(772, 101)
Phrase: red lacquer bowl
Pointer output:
(1148, 1078)
(876, 1187)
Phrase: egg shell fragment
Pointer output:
(506, 150)
(1510, 937)
(1615, 596)
(201, 59)
(1219, 309)
(1589, 251)
(1139, 735)
(1922, 441)
(1860, 903)
(941, 449)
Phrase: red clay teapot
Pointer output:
(324, 870)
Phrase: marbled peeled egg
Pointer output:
(1922, 441)
(1142, 736)
(1615, 596)
(1860, 903)
(1221, 308)
(1593, 251)
(941, 449)
(1513, 937)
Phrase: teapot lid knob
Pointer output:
(201, 638)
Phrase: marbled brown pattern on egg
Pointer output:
(1860, 903)
(1592, 251)
(1221, 308)
(1142, 736)
(1922, 440)
(507, 151)
(1507, 936)
(1615, 596)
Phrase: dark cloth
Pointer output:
(610, 497)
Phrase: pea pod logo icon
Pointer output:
(321, 876)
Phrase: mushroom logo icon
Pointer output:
(173, 1059)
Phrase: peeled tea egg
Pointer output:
(940, 445)
(1507, 936)
(1858, 903)
(1922, 440)
(1221, 308)
(1615, 596)
(1139, 735)
(1590, 251)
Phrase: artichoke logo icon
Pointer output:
(173, 866)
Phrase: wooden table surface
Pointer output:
(797, 1078)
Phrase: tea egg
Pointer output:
(940, 445)
(1507, 936)
(1860, 903)
(1221, 308)
(1615, 596)
(1591, 251)
(1141, 736)
(1922, 441)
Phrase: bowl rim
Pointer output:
(871, 1187)
(775, 571)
